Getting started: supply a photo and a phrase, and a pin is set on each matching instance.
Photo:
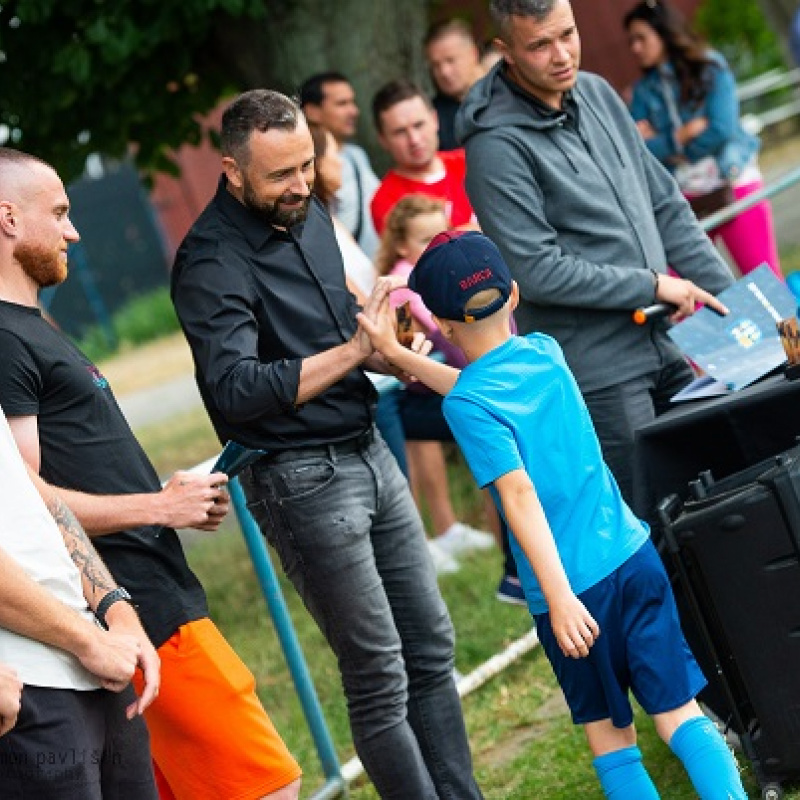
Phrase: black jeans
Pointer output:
(349, 537)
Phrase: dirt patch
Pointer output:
(554, 706)
(512, 746)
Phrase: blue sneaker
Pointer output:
(510, 591)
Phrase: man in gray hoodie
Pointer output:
(586, 218)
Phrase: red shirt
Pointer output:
(450, 188)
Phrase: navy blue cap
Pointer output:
(455, 266)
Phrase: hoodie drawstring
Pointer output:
(554, 140)
(602, 124)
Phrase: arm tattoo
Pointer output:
(96, 579)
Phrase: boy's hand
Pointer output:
(374, 308)
(574, 627)
(379, 363)
(378, 321)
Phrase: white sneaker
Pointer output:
(443, 563)
(460, 538)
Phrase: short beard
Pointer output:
(274, 213)
(43, 265)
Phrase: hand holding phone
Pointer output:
(235, 457)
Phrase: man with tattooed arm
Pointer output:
(210, 737)
(71, 721)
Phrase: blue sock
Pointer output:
(623, 776)
(707, 759)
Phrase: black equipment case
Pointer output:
(733, 553)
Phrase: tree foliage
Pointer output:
(739, 30)
(780, 15)
(95, 75)
(84, 76)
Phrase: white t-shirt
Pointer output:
(31, 537)
(357, 266)
(357, 172)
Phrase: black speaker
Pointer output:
(734, 556)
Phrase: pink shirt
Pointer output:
(418, 309)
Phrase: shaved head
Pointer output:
(20, 175)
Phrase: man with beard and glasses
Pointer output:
(260, 291)
(210, 736)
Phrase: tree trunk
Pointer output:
(779, 14)
(370, 42)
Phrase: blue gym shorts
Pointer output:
(640, 648)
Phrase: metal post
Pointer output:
(289, 643)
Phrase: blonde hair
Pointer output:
(395, 231)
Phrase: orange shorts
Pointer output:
(209, 734)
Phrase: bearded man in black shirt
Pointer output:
(209, 735)
(259, 288)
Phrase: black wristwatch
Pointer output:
(108, 600)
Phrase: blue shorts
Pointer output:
(640, 648)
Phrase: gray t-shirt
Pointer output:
(359, 183)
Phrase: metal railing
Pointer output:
(756, 88)
(767, 82)
(734, 209)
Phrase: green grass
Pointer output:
(523, 742)
(790, 259)
(142, 319)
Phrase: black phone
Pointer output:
(405, 330)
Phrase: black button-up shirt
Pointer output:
(254, 301)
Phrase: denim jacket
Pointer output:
(725, 139)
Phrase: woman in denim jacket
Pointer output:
(686, 108)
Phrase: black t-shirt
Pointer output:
(446, 109)
(86, 445)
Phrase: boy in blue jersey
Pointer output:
(595, 584)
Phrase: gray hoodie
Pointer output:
(582, 215)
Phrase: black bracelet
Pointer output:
(108, 600)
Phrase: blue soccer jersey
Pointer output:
(518, 407)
